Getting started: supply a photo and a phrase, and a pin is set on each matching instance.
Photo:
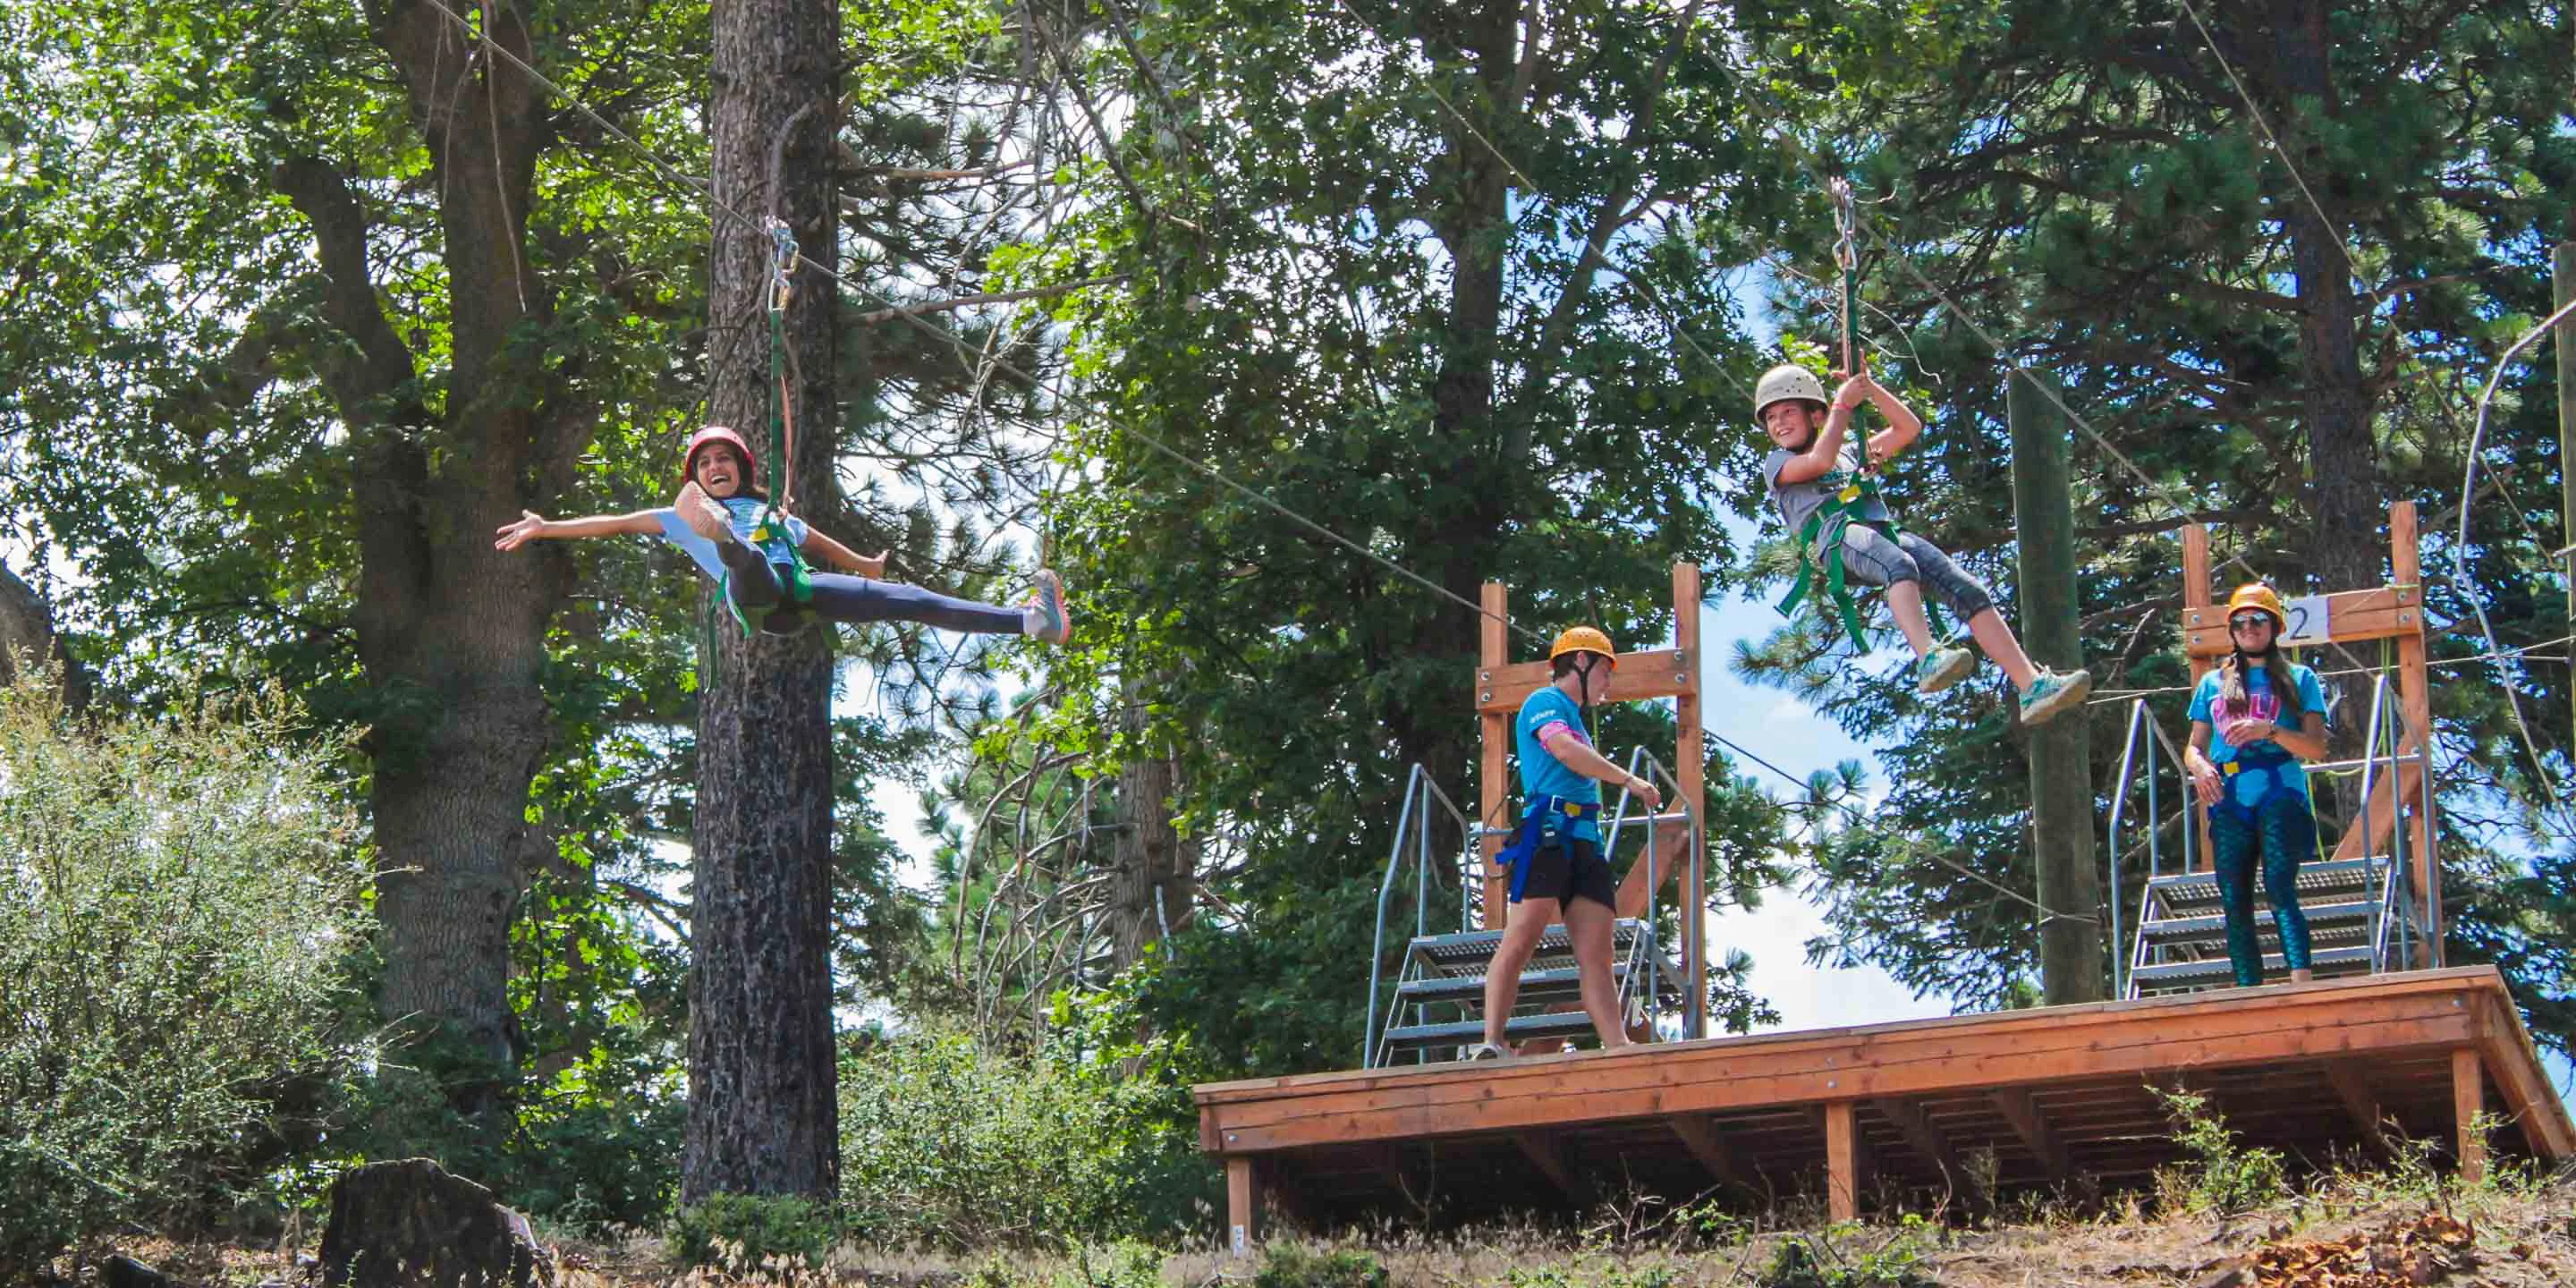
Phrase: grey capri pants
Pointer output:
(1873, 558)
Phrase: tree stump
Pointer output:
(409, 1224)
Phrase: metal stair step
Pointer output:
(2191, 890)
(1468, 1032)
(1466, 952)
(2217, 972)
(1553, 985)
(2320, 916)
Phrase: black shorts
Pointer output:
(1564, 872)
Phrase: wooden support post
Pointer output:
(2061, 761)
(2021, 1112)
(1842, 1160)
(1690, 768)
(1242, 1205)
(2562, 275)
(1493, 793)
(2197, 610)
(2415, 702)
(2468, 1100)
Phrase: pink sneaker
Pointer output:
(703, 515)
(1054, 625)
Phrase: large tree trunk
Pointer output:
(2343, 459)
(1153, 886)
(451, 632)
(762, 1118)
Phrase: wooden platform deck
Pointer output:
(1903, 1113)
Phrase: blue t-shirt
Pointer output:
(744, 511)
(1542, 774)
(2259, 702)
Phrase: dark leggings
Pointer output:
(2284, 830)
(840, 597)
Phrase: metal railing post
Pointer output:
(1377, 943)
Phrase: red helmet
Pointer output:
(718, 434)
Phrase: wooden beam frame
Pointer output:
(1707, 1144)
(2022, 1113)
(1502, 685)
(2391, 612)
(2352, 1088)
(1545, 1151)
(1927, 1141)
(1242, 1205)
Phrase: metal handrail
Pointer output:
(1694, 1024)
(2139, 719)
(1418, 787)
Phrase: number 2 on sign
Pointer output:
(2308, 622)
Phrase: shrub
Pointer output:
(946, 1144)
(177, 900)
(748, 1234)
(1287, 1264)
(2225, 1177)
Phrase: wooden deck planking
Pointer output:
(1850, 1115)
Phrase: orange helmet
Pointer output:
(1584, 639)
(2256, 595)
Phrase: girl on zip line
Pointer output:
(1824, 487)
(718, 519)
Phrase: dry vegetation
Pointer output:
(2351, 1230)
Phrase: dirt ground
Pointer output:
(2358, 1235)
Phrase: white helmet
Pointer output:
(1789, 380)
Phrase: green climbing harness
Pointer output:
(770, 532)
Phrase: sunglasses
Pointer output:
(2248, 620)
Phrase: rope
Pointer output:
(2273, 142)
(697, 188)
(2526, 652)
(2460, 546)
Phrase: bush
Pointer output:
(945, 1144)
(755, 1234)
(177, 900)
(1287, 1264)
(2225, 1177)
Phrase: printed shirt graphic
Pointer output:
(1542, 774)
(2260, 703)
(1798, 500)
(744, 511)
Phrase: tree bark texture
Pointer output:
(2343, 458)
(1154, 881)
(762, 1118)
(450, 631)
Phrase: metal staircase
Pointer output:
(2364, 916)
(1435, 1008)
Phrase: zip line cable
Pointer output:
(696, 188)
(2273, 141)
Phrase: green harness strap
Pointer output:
(1827, 523)
(769, 533)
(1820, 548)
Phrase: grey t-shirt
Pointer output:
(1798, 500)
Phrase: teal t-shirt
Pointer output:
(1542, 774)
(2260, 702)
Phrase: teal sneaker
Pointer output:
(1054, 625)
(2054, 692)
(1941, 668)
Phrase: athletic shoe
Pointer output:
(1942, 668)
(2053, 693)
(1486, 1051)
(1054, 626)
(703, 515)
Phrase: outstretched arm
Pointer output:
(1578, 755)
(841, 556)
(532, 526)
